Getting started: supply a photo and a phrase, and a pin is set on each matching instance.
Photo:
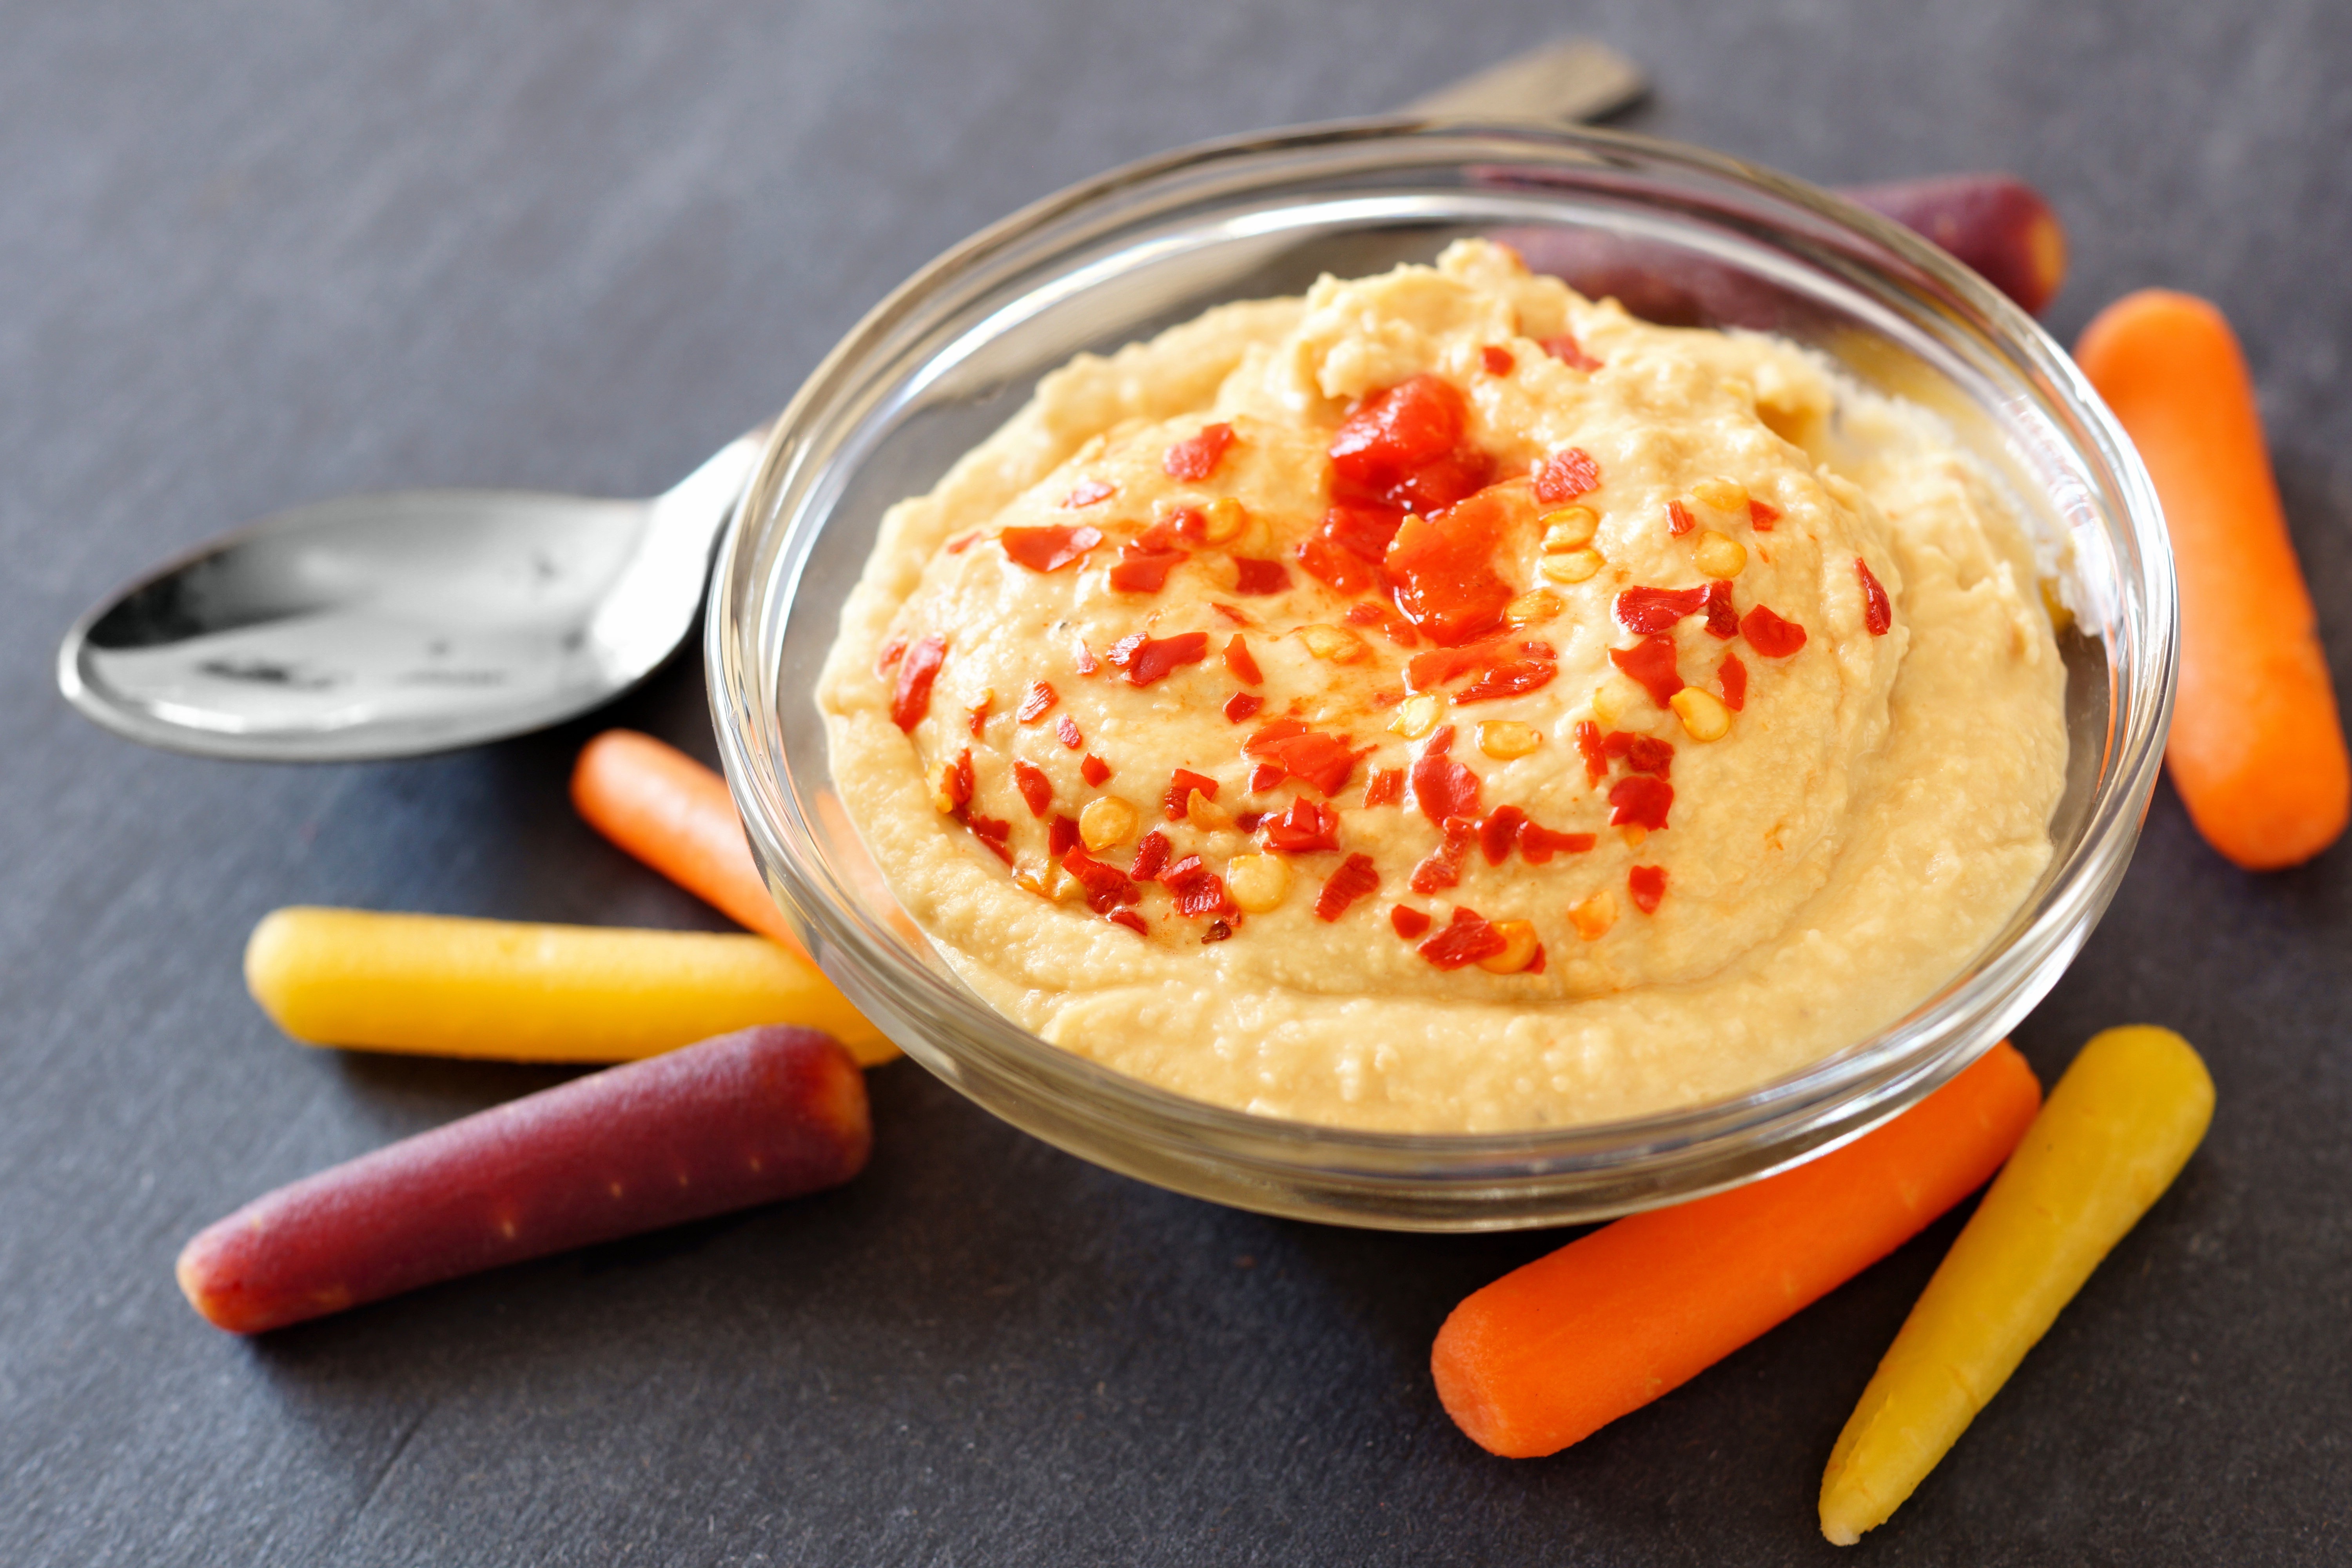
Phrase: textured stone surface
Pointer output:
(260, 254)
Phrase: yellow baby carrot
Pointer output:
(443, 987)
(2110, 1140)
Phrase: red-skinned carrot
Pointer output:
(1551, 1352)
(2257, 747)
(675, 816)
(748, 1118)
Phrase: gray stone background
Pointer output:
(261, 253)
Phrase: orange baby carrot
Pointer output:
(1551, 1352)
(675, 816)
(2256, 749)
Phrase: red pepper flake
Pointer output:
(1648, 884)
(1496, 360)
(1303, 829)
(1443, 566)
(1734, 675)
(1640, 800)
(958, 781)
(1566, 350)
(1198, 890)
(1466, 940)
(1588, 746)
(1722, 620)
(1364, 615)
(1564, 476)
(1144, 571)
(1344, 571)
(1645, 610)
(1679, 519)
(1442, 867)
(1535, 648)
(976, 716)
(1087, 493)
(1258, 577)
(1087, 664)
(1265, 777)
(1512, 680)
(1650, 661)
(1538, 844)
(1049, 549)
(1061, 835)
(1878, 611)
(1239, 664)
(991, 831)
(1035, 788)
(1180, 785)
(1248, 821)
(1197, 456)
(1498, 832)
(1385, 787)
(1442, 787)
(1642, 753)
(1094, 769)
(1130, 920)
(1762, 515)
(1242, 705)
(1535, 964)
(1427, 671)
(1147, 658)
(1066, 729)
(1353, 880)
(1323, 761)
(1034, 706)
(1218, 931)
(1404, 445)
(957, 546)
(1150, 857)
(912, 697)
(1770, 636)
(892, 652)
(1232, 615)
(1407, 921)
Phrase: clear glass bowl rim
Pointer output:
(1433, 1181)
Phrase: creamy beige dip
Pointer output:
(1847, 823)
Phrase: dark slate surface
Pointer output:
(260, 254)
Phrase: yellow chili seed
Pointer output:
(1573, 566)
(1721, 494)
(1417, 716)
(1704, 716)
(1594, 916)
(1528, 608)
(1224, 519)
(1336, 644)
(1570, 528)
(1503, 739)
(1518, 948)
(1718, 555)
(1203, 814)
(1634, 834)
(1106, 821)
(942, 797)
(1257, 882)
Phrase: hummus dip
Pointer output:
(1442, 703)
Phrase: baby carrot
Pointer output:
(675, 816)
(2256, 749)
(445, 986)
(751, 1117)
(1553, 1351)
(2117, 1128)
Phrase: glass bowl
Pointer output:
(1678, 233)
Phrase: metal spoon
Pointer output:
(387, 626)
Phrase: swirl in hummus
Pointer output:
(1442, 703)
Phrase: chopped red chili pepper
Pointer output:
(1441, 867)
(1342, 571)
(1049, 549)
(1442, 787)
(911, 699)
(1323, 761)
(1239, 662)
(1353, 880)
(1094, 769)
(1407, 921)
(1495, 360)
(892, 651)
(1498, 832)
(1066, 729)
(1588, 746)
(976, 716)
(1089, 491)
(1231, 615)
(1734, 677)
(1240, 705)
(1770, 636)
(1385, 787)
(1762, 515)
(1640, 800)
(1443, 566)
(1303, 829)
(1645, 610)
(1150, 857)
(1041, 697)
(1197, 456)
(1564, 476)
(1180, 785)
(1642, 753)
(1648, 884)
(1538, 844)
(1087, 664)
(1536, 647)
(1199, 890)
(1248, 821)
(958, 781)
(1130, 920)
(1427, 671)
(1722, 620)
(1466, 940)
(1144, 571)
(1404, 445)
(1679, 519)
(1878, 611)
(1147, 658)
(1566, 350)
(1061, 835)
(1258, 577)
(1650, 661)
(1512, 680)
(1035, 788)
(961, 542)
(991, 831)
(1265, 777)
